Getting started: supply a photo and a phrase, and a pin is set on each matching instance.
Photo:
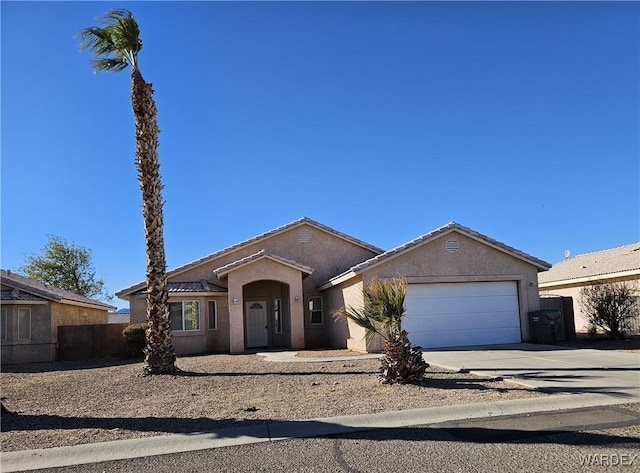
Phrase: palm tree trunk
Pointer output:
(402, 362)
(160, 357)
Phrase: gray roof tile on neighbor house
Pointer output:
(304, 220)
(598, 265)
(18, 295)
(189, 287)
(24, 284)
(118, 318)
(438, 232)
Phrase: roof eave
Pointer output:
(339, 279)
(588, 279)
(124, 293)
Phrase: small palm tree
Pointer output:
(115, 45)
(382, 314)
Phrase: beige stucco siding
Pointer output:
(45, 319)
(66, 314)
(193, 341)
(326, 254)
(569, 289)
(432, 263)
(41, 346)
(261, 270)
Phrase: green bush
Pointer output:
(135, 338)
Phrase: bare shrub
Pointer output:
(609, 306)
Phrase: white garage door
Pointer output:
(461, 314)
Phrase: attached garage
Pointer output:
(463, 288)
(462, 314)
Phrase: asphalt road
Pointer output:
(595, 439)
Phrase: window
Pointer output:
(185, 315)
(3, 324)
(315, 307)
(213, 315)
(24, 324)
(277, 315)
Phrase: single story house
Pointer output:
(279, 289)
(567, 278)
(31, 313)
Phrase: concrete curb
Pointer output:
(178, 443)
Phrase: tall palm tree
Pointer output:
(115, 45)
(382, 314)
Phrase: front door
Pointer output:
(257, 332)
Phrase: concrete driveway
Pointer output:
(551, 368)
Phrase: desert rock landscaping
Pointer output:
(59, 404)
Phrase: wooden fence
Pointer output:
(566, 327)
(82, 342)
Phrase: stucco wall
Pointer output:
(326, 254)
(264, 269)
(65, 314)
(40, 347)
(573, 291)
(192, 342)
(432, 263)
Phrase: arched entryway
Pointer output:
(267, 320)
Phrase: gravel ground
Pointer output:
(59, 404)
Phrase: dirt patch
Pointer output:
(58, 404)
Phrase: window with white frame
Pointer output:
(4, 318)
(315, 309)
(277, 315)
(24, 324)
(185, 316)
(213, 315)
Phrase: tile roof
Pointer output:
(118, 318)
(37, 289)
(18, 295)
(438, 232)
(188, 287)
(262, 236)
(598, 265)
(222, 271)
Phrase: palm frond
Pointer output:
(361, 319)
(108, 65)
(115, 44)
(382, 309)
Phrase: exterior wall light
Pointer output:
(235, 300)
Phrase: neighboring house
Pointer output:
(31, 313)
(121, 316)
(568, 277)
(279, 289)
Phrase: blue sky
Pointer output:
(383, 120)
